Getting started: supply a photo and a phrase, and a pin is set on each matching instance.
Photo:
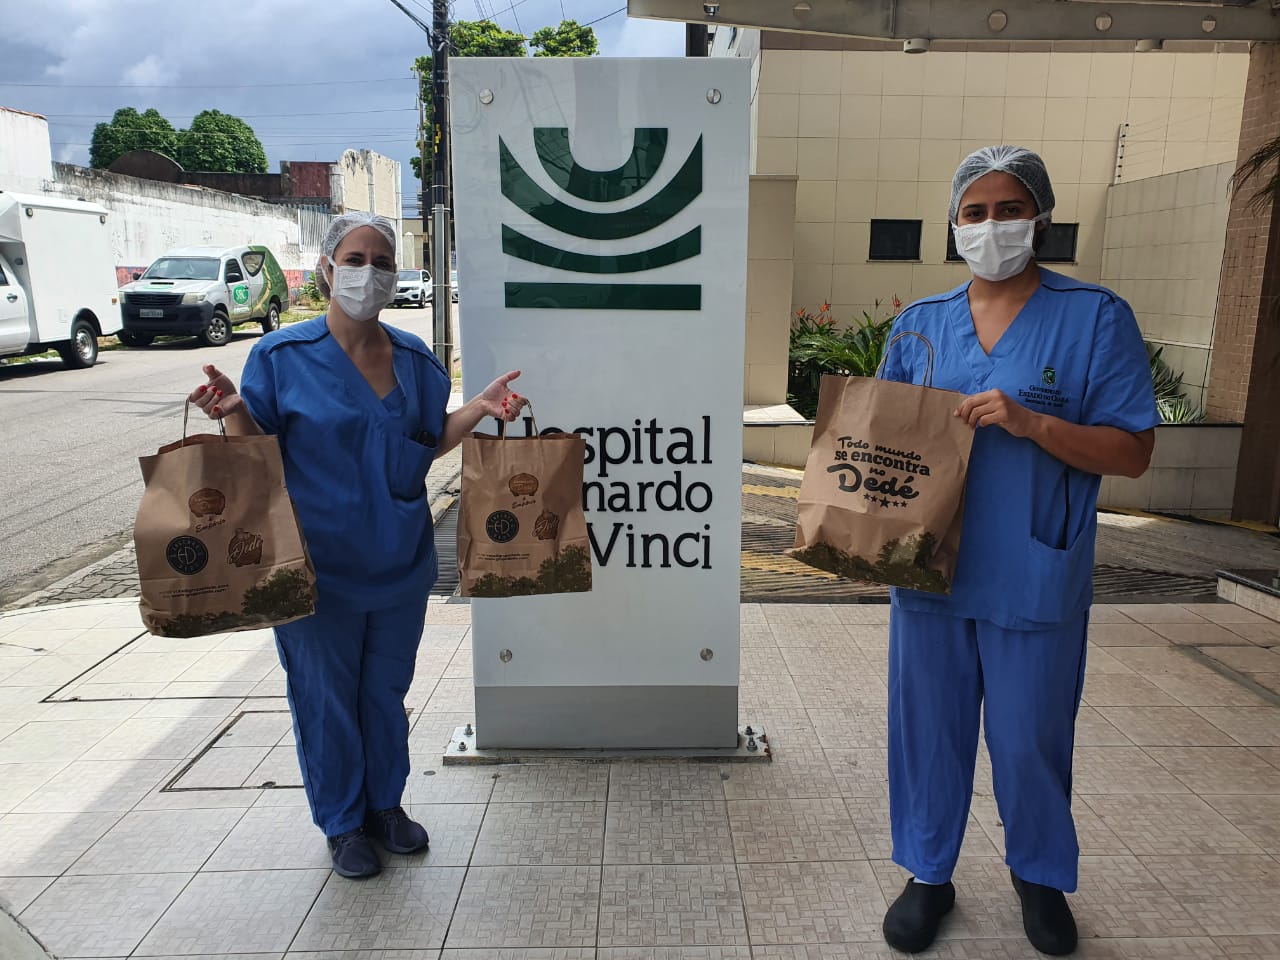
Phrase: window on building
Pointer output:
(1059, 246)
(895, 240)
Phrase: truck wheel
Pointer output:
(271, 321)
(218, 332)
(135, 339)
(81, 351)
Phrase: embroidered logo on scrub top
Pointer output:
(187, 555)
(1046, 395)
(502, 526)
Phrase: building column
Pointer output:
(1244, 382)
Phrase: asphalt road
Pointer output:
(70, 483)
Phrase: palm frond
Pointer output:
(1263, 163)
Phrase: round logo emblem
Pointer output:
(187, 555)
(502, 526)
(240, 293)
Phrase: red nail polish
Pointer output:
(202, 389)
(217, 409)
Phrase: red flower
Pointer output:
(826, 307)
(897, 304)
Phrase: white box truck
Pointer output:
(58, 288)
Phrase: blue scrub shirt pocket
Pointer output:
(407, 464)
(1057, 581)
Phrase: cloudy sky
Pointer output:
(312, 77)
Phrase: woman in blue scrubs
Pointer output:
(1058, 391)
(359, 410)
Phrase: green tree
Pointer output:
(219, 142)
(468, 38)
(570, 39)
(130, 130)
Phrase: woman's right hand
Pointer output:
(218, 397)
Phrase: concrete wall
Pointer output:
(149, 218)
(770, 261)
(25, 157)
(1162, 251)
(877, 134)
(364, 180)
(1193, 472)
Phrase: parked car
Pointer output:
(58, 285)
(205, 292)
(453, 288)
(413, 288)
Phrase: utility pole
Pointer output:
(442, 296)
(441, 288)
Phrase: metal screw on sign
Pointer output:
(713, 96)
(469, 732)
(486, 97)
(505, 656)
(751, 745)
(750, 732)
(707, 653)
(462, 746)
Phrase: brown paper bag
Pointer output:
(218, 541)
(882, 498)
(521, 527)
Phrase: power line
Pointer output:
(605, 17)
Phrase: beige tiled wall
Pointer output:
(771, 253)
(880, 133)
(1162, 251)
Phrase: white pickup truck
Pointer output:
(58, 288)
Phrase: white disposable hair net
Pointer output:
(341, 226)
(345, 223)
(1017, 162)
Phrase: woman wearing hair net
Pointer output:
(359, 409)
(1058, 390)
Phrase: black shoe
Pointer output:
(912, 922)
(353, 856)
(1046, 918)
(396, 832)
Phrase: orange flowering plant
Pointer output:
(819, 345)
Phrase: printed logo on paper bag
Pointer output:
(245, 549)
(884, 477)
(187, 555)
(502, 526)
(523, 485)
(599, 220)
(207, 502)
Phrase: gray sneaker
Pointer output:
(396, 832)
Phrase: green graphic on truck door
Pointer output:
(267, 279)
(240, 293)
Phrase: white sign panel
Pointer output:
(602, 234)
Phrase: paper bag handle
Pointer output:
(928, 367)
(502, 424)
(186, 410)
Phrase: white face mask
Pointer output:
(362, 292)
(997, 249)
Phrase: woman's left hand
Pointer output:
(994, 408)
(499, 401)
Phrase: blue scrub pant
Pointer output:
(942, 672)
(348, 674)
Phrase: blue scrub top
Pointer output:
(1030, 521)
(355, 464)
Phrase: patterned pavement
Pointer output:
(150, 807)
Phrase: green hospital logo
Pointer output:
(240, 293)
(601, 189)
(1049, 377)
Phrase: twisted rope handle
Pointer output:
(928, 369)
(186, 410)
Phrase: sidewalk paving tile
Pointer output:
(101, 916)
(1177, 783)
